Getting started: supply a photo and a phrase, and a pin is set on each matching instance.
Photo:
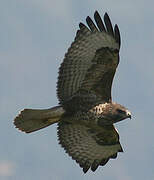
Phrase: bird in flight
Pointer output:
(86, 113)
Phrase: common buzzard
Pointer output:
(86, 113)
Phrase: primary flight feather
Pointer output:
(86, 113)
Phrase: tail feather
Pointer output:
(30, 120)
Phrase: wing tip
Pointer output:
(108, 26)
(96, 13)
(117, 35)
(91, 24)
(114, 32)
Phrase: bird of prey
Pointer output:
(86, 113)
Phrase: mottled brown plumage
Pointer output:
(90, 63)
(89, 146)
(86, 113)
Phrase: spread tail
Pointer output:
(30, 120)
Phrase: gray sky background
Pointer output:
(34, 36)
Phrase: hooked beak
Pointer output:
(128, 114)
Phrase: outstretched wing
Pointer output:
(90, 147)
(91, 61)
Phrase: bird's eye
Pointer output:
(120, 111)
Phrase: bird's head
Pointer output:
(112, 113)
